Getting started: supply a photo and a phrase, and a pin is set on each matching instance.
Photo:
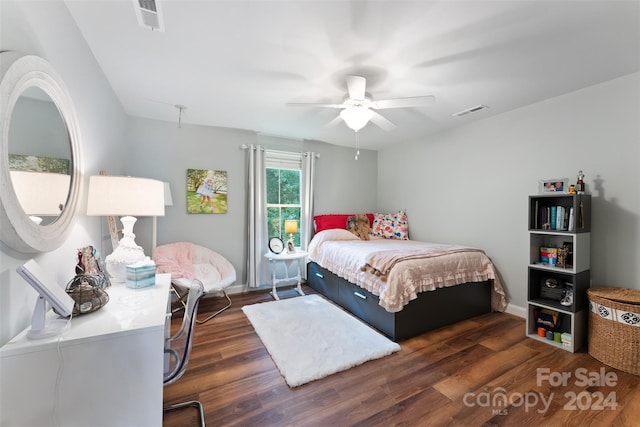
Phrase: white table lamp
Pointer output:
(125, 196)
(290, 227)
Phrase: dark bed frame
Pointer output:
(431, 310)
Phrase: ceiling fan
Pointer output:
(358, 109)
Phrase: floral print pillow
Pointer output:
(391, 226)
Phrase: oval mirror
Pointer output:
(40, 177)
(39, 156)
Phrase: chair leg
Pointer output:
(179, 298)
(194, 403)
(219, 311)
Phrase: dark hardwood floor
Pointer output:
(460, 375)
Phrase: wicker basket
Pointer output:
(86, 292)
(614, 327)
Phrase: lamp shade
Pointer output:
(41, 193)
(356, 117)
(290, 226)
(125, 195)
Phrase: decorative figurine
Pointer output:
(562, 256)
(572, 189)
(90, 263)
(580, 184)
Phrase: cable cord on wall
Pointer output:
(56, 395)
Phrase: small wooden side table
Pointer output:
(286, 259)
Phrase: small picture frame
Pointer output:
(555, 185)
(290, 248)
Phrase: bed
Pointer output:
(399, 286)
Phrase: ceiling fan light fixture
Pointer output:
(356, 117)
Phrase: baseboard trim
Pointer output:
(236, 288)
(516, 310)
(239, 288)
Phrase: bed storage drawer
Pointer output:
(445, 306)
(364, 305)
(429, 311)
(323, 281)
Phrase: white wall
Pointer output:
(46, 29)
(164, 151)
(470, 185)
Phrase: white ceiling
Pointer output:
(239, 63)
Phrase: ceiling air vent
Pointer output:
(470, 110)
(149, 14)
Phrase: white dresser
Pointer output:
(105, 370)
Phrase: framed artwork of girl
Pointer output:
(206, 191)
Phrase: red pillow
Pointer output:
(330, 221)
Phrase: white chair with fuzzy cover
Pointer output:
(187, 261)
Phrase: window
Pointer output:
(283, 192)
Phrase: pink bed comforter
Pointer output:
(397, 270)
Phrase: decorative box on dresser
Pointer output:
(559, 223)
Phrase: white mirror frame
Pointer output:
(20, 72)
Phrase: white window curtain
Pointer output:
(306, 214)
(257, 274)
(257, 267)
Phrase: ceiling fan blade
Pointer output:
(414, 101)
(335, 121)
(381, 121)
(356, 86)
(311, 104)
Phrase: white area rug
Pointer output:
(309, 338)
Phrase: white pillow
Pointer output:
(328, 235)
(335, 234)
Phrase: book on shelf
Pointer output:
(558, 218)
(562, 218)
(570, 220)
(548, 255)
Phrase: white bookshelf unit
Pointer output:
(572, 232)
